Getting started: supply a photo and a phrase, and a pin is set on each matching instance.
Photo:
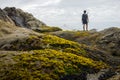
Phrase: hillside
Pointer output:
(48, 53)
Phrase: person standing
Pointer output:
(85, 21)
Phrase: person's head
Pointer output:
(84, 11)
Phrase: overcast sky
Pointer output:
(67, 13)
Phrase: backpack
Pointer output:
(84, 17)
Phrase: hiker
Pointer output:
(85, 21)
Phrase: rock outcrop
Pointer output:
(109, 31)
(111, 41)
(23, 19)
(5, 17)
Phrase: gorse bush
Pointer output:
(42, 42)
(55, 41)
(48, 64)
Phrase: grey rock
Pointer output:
(4, 17)
(111, 43)
(23, 19)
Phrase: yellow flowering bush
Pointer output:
(78, 34)
(43, 42)
(59, 42)
(49, 64)
(78, 51)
